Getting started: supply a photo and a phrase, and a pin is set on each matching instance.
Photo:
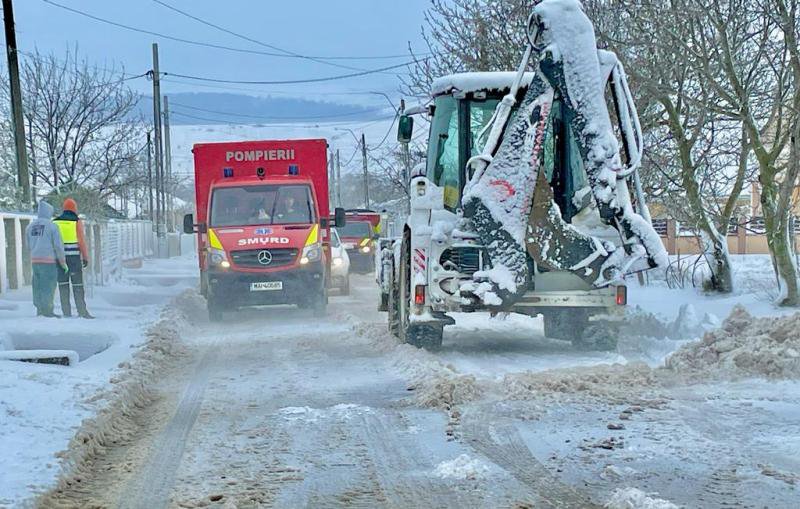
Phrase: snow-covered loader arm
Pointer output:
(508, 199)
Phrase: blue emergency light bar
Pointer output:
(294, 169)
(227, 173)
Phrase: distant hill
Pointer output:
(224, 108)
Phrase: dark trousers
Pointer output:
(44, 286)
(74, 276)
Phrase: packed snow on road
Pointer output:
(273, 407)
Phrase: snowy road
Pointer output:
(274, 408)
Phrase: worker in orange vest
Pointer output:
(77, 255)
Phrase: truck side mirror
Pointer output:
(405, 129)
(190, 227)
(339, 217)
(188, 223)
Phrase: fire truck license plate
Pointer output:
(263, 286)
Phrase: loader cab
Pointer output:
(459, 128)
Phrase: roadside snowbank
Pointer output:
(43, 405)
(745, 346)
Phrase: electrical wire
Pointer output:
(244, 115)
(287, 82)
(211, 45)
(386, 136)
(287, 53)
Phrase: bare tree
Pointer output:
(76, 120)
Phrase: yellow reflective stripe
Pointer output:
(69, 231)
(213, 241)
(313, 235)
(364, 242)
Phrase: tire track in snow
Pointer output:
(504, 447)
(152, 487)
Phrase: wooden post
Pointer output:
(671, 236)
(741, 239)
(20, 280)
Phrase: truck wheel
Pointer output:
(404, 289)
(392, 306)
(428, 337)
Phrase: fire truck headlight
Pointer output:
(218, 257)
(310, 254)
(365, 249)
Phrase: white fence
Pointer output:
(112, 244)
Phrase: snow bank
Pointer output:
(128, 393)
(616, 383)
(745, 346)
(631, 498)
(462, 467)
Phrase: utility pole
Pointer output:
(338, 180)
(331, 179)
(366, 172)
(158, 153)
(23, 177)
(168, 162)
(150, 180)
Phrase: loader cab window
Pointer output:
(480, 114)
(563, 164)
(443, 151)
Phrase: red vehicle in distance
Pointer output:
(359, 237)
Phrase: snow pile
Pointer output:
(127, 395)
(615, 382)
(632, 498)
(688, 325)
(462, 467)
(743, 346)
(445, 389)
(192, 306)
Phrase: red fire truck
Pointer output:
(263, 223)
(358, 237)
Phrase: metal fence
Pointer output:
(112, 244)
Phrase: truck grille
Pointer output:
(249, 258)
(466, 260)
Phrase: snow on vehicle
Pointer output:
(340, 264)
(358, 235)
(524, 203)
(263, 223)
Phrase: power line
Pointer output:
(288, 53)
(286, 82)
(224, 121)
(203, 44)
(386, 136)
(244, 115)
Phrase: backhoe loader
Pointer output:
(530, 199)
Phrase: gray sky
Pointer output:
(307, 27)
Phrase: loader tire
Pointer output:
(392, 304)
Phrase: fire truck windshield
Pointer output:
(261, 205)
(360, 229)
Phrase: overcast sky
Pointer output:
(307, 27)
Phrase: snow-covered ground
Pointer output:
(42, 405)
(274, 407)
